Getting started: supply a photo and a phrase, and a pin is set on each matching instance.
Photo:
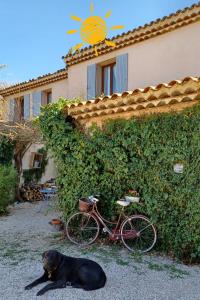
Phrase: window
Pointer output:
(18, 109)
(36, 160)
(49, 97)
(109, 79)
(46, 97)
(21, 108)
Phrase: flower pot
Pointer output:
(57, 224)
(56, 221)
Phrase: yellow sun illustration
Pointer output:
(93, 30)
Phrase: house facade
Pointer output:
(144, 67)
(22, 102)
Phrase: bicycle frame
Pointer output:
(115, 233)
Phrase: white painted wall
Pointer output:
(173, 55)
(50, 171)
(59, 89)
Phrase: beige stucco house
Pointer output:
(153, 68)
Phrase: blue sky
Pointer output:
(33, 32)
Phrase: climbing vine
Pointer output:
(136, 154)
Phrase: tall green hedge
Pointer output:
(135, 154)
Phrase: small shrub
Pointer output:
(6, 150)
(8, 179)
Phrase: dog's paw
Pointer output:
(40, 293)
(28, 287)
(68, 283)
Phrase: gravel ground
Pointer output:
(25, 234)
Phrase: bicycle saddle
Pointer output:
(93, 199)
(123, 202)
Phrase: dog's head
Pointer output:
(51, 259)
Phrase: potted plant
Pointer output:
(57, 224)
(132, 196)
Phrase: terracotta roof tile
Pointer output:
(176, 91)
(32, 83)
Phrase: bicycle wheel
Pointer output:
(138, 234)
(82, 229)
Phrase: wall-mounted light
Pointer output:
(178, 168)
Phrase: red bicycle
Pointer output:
(137, 232)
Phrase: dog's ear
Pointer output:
(58, 257)
(44, 254)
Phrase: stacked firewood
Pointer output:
(31, 193)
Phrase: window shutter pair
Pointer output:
(36, 103)
(121, 76)
(13, 110)
(36, 100)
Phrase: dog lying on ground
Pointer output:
(64, 270)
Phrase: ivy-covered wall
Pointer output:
(135, 154)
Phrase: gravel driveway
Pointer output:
(25, 234)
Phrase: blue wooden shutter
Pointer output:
(91, 82)
(37, 101)
(122, 73)
(11, 110)
(26, 107)
(98, 81)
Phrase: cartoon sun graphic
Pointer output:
(93, 30)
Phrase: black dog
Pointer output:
(64, 270)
